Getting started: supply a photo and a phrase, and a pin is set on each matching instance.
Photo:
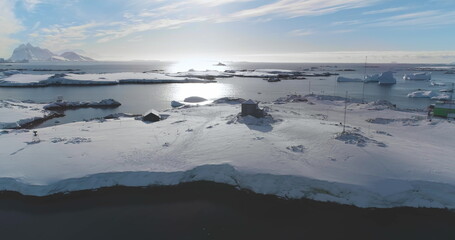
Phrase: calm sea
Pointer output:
(140, 98)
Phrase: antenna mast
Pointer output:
(364, 78)
(345, 108)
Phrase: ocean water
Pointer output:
(140, 98)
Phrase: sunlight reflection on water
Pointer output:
(210, 91)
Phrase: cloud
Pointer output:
(31, 4)
(126, 29)
(181, 6)
(298, 8)
(387, 10)
(352, 22)
(63, 36)
(9, 25)
(340, 31)
(301, 32)
(357, 56)
(430, 18)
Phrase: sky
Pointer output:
(411, 31)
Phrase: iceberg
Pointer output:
(372, 78)
(418, 76)
(387, 78)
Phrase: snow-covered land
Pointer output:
(17, 114)
(209, 74)
(252, 73)
(386, 157)
(31, 80)
(62, 105)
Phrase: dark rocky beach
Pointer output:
(205, 210)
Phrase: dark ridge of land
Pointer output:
(206, 210)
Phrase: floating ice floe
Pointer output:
(346, 79)
(422, 94)
(417, 76)
(209, 74)
(429, 94)
(433, 83)
(30, 80)
(252, 73)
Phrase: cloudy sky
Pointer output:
(242, 30)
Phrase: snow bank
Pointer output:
(30, 80)
(291, 98)
(297, 155)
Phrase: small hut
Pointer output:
(151, 116)
(251, 108)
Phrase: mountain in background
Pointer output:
(72, 56)
(27, 52)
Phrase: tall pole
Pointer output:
(309, 86)
(345, 108)
(364, 78)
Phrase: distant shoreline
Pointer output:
(201, 210)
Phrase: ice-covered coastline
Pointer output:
(44, 80)
(296, 153)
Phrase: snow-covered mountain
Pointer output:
(72, 56)
(30, 53)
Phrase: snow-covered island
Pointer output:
(16, 114)
(63, 105)
(386, 157)
(32, 80)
